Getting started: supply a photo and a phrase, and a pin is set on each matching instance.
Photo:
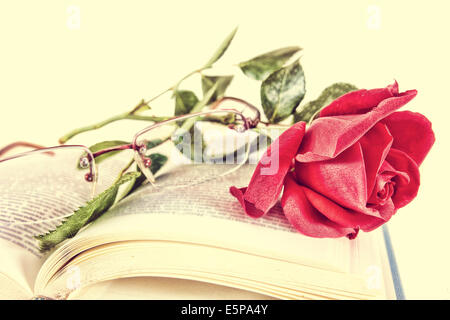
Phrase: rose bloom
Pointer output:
(351, 169)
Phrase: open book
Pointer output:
(197, 234)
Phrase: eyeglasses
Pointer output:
(39, 188)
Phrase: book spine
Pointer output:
(393, 264)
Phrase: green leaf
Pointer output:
(282, 91)
(221, 50)
(260, 67)
(328, 95)
(84, 215)
(158, 160)
(222, 84)
(185, 100)
(105, 145)
(140, 107)
(198, 107)
(223, 119)
(154, 143)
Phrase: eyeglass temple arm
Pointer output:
(18, 144)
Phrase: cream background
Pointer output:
(55, 77)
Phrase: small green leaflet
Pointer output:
(306, 113)
(222, 84)
(216, 56)
(221, 50)
(260, 67)
(198, 107)
(158, 160)
(227, 119)
(154, 143)
(141, 107)
(282, 91)
(185, 100)
(92, 210)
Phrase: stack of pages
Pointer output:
(196, 233)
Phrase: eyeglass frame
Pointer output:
(140, 150)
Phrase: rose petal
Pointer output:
(383, 189)
(387, 210)
(249, 208)
(375, 145)
(405, 189)
(304, 217)
(412, 134)
(360, 101)
(342, 179)
(342, 216)
(329, 136)
(387, 168)
(267, 181)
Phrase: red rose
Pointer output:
(352, 168)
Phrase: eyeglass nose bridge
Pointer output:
(140, 158)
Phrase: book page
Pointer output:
(148, 288)
(41, 186)
(186, 208)
(10, 290)
(32, 205)
(28, 194)
(37, 191)
(265, 275)
(18, 270)
(192, 216)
